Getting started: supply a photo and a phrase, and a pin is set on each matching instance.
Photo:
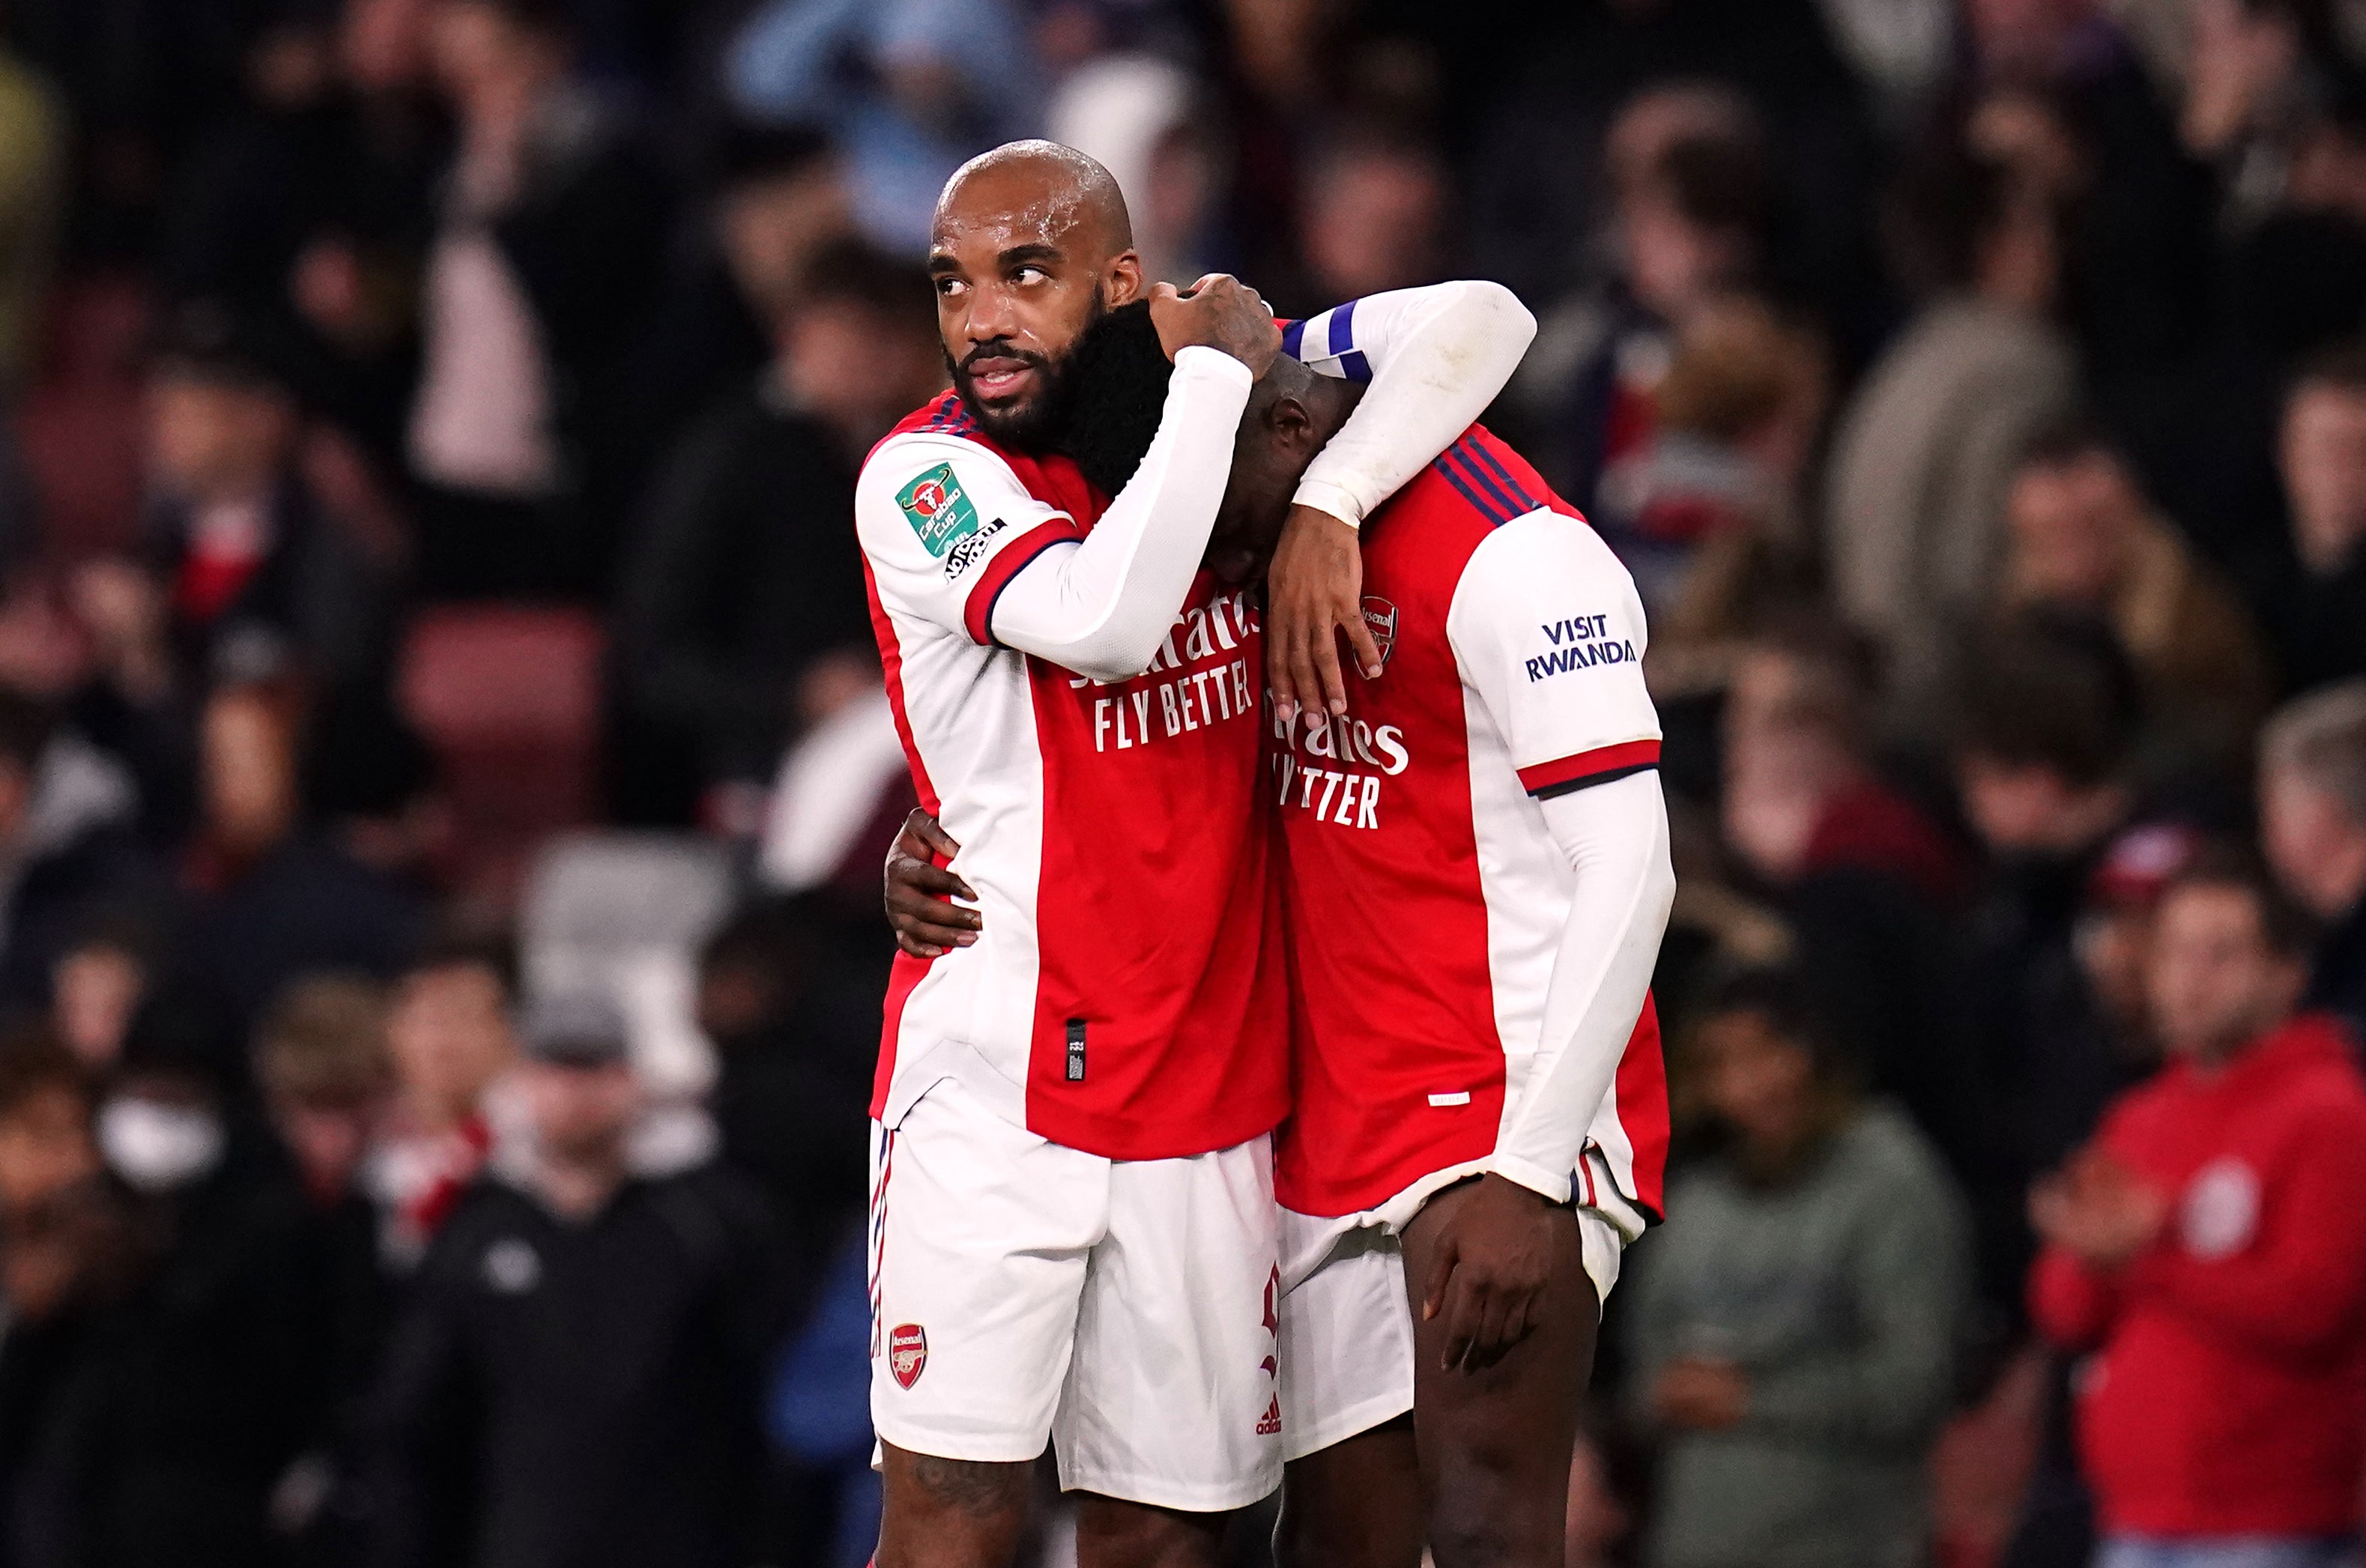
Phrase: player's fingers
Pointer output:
(933, 918)
(1462, 1312)
(1207, 278)
(1441, 1271)
(1331, 686)
(937, 883)
(1165, 291)
(1367, 647)
(932, 835)
(910, 942)
(1296, 692)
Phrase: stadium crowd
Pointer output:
(443, 769)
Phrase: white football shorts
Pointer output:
(1347, 1327)
(1124, 1311)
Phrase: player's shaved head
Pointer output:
(1029, 246)
(1043, 186)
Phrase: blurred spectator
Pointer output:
(259, 570)
(97, 984)
(448, 1032)
(66, 847)
(1924, 451)
(778, 198)
(2316, 613)
(1707, 514)
(793, 1094)
(65, 1252)
(321, 1063)
(578, 1379)
(189, 1402)
(1692, 201)
(312, 208)
(274, 897)
(2085, 539)
(2313, 826)
(2136, 231)
(909, 88)
(745, 574)
(1794, 1338)
(2210, 1248)
(1864, 878)
(2050, 715)
(1373, 216)
(546, 257)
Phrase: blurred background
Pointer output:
(444, 771)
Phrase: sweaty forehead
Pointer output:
(1022, 203)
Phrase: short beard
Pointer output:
(1036, 425)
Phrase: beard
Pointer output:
(1032, 425)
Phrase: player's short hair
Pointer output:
(324, 1041)
(1119, 375)
(2052, 689)
(2322, 737)
(2289, 930)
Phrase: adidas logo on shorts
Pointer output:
(1269, 1424)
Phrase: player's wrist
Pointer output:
(1550, 1187)
(1331, 499)
(1201, 359)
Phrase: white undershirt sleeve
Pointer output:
(1102, 606)
(1615, 837)
(1436, 358)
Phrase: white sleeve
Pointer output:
(1436, 358)
(952, 538)
(1616, 839)
(1547, 631)
(1100, 608)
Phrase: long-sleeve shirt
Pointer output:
(2226, 1394)
(1839, 1292)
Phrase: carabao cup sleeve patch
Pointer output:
(939, 514)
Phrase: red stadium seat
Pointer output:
(509, 698)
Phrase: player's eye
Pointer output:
(1030, 275)
(948, 286)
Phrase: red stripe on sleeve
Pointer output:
(1590, 764)
(996, 575)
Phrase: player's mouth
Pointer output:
(999, 379)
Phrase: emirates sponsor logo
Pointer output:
(907, 1353)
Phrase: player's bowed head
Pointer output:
(1121, 370)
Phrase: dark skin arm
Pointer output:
(920, 892)
(1492, 1256)
(1314, 592)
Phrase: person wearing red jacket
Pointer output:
(2209, 1249)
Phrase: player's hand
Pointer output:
(1700, 1394)
(1313, 590)
(1493, 1260)
(1220, 312)
(920, 892)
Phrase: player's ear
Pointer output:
(1291, 426)
(1121, 281)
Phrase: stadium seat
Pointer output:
(508, 697)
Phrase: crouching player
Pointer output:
(1475, 882)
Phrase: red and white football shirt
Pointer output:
(1425, 900)
(1123, 998)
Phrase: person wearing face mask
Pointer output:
(191, 1401)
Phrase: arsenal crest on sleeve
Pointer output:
(1381, 620)
(907, 1352)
